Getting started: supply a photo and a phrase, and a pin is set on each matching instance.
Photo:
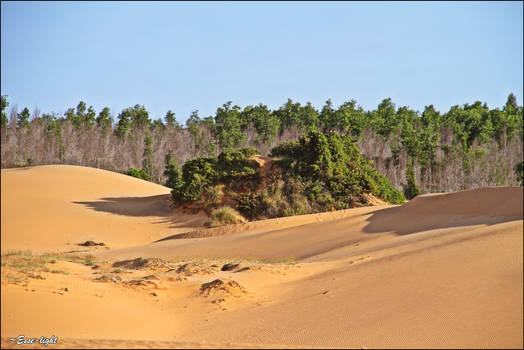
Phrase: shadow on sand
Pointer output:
(132, 206)
(486, 206)
(157, 207)
(399, 221)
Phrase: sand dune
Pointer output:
(444, 270)
(57, 206)
(427, 213)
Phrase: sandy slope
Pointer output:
(426, 213)
(444, 270)
(57, 206)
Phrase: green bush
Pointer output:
(334, 165)
(235, 167)
(411, 189)
(173, 173)
(321, 172)
(138, 173)
(381, 188)
(199, 175)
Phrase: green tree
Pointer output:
(23, 118)
(89, 118)
(193, 124)
(384, 119)
(82, 117)
(328, 117)
(309, 118)
(265, 123)
(173, 173)
(124, 123)
(147, 161)
(104, 120)
(411, 190)
(157, 124)
(349, 118)
(5, 104)
(511, 101)
(54, 133)
(228, 127)
(139, 117)
(289, 115)
(136, 117)
(170, 120)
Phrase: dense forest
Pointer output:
(468, 146)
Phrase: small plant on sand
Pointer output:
(224, 216)
(89, 260)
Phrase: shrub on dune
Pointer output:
(224, 216)
(138, 173)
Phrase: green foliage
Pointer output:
(147, 161)
(211, 195)
(173, 173)
(228, 127)
(82, 117)
(466, 133)
(199, 175)
(351, 119)
(123, 124)
(289, 115)
(170, 120)
(135, 117)
(138, 173)
(22, 120)
(265, 123)
(5, 104)
(411, 189)
(333, 171)
(104, 120)
(384, 120)
(157, 125)
(200, 130)
(322, 172)
(235, 164)
(288, 149)
(328, 117)
(381, 187)
(54, 132)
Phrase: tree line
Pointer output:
(470, 145)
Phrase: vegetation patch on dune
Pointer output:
(26, 265)
(224, 216)
(317, 173)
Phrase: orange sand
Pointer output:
(444, 270)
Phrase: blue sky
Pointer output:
(199, 55)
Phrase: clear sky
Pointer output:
(199, 55)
